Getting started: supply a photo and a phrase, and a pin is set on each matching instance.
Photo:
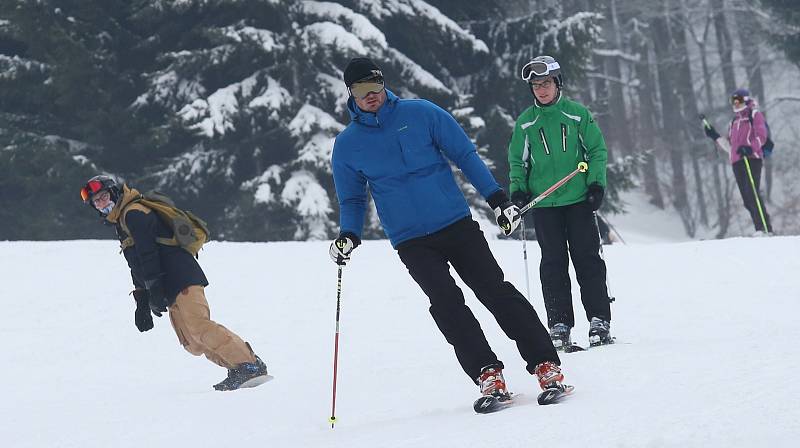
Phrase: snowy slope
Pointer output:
(709, 357)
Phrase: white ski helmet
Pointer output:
(542, 67)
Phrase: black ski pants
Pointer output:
(463, 246)
(746, 190)
(571, 229)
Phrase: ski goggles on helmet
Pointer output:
(538, 69)
(738, 98)
(92, 188)
(360, 89)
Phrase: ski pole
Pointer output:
(610, 226)
(582, 168)
(723, 145)
(611, 298)
(755, 194)
(525, 257)
(332, 420)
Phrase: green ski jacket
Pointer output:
(547, 144)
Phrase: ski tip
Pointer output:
(573, 348)
(489, 403)
(554, 395)
(485, 404)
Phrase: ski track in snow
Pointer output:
(708, 357)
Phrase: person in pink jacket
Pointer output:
(747, 135)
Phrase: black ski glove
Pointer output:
(342, 247)
(711, 132)
(142, 316)
(520, 198)
(594, 197)
(158, 298)
(745, 151)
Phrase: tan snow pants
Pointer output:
(199, 335)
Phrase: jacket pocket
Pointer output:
(418, 150)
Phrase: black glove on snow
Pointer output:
(142, 316)
(594, 197)
(745, 151)
(342, 247)
(711, 132)
(158, 298)
(520, 198)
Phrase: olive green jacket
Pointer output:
(547, 144)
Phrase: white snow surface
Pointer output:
(706, 356)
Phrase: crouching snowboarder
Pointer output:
(167, 277)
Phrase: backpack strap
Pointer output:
(128, 241)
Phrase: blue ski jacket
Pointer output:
(399, 152)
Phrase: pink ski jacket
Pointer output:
(743, 132)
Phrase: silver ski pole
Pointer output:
(611, 297)
(614, 229)
(525, 257)
(582, 168)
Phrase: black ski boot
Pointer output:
(246, 374)
(599, 332)
(559, 334)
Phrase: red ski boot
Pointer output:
(550, 378)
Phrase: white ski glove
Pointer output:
(508, 217)
(342, 247)
(506, 213)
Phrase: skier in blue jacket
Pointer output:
(399, 148)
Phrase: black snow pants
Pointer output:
(463, 246)
(571, 229)
(746, 190)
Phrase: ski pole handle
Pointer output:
(706, 124)
(582, 168)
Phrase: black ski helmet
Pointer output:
(542, 67)
(98, 184)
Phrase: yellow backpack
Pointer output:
(189, 231)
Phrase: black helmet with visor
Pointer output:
(99, 184)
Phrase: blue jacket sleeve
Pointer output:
(451, 139)
(351, 191)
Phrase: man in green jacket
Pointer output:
(550, 139)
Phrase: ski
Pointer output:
(578, 348)
(490, 403)
(554, 394)
(256, 381)
(598, 343)
(572, 348)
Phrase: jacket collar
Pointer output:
(547, 107)
(128, 196)
(744, 113)
(369, 119)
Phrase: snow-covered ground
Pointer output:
(707, 357)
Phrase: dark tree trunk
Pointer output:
(688, 100)
(725, 45)
(647, 117)
(673, 137)
(619, 129)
